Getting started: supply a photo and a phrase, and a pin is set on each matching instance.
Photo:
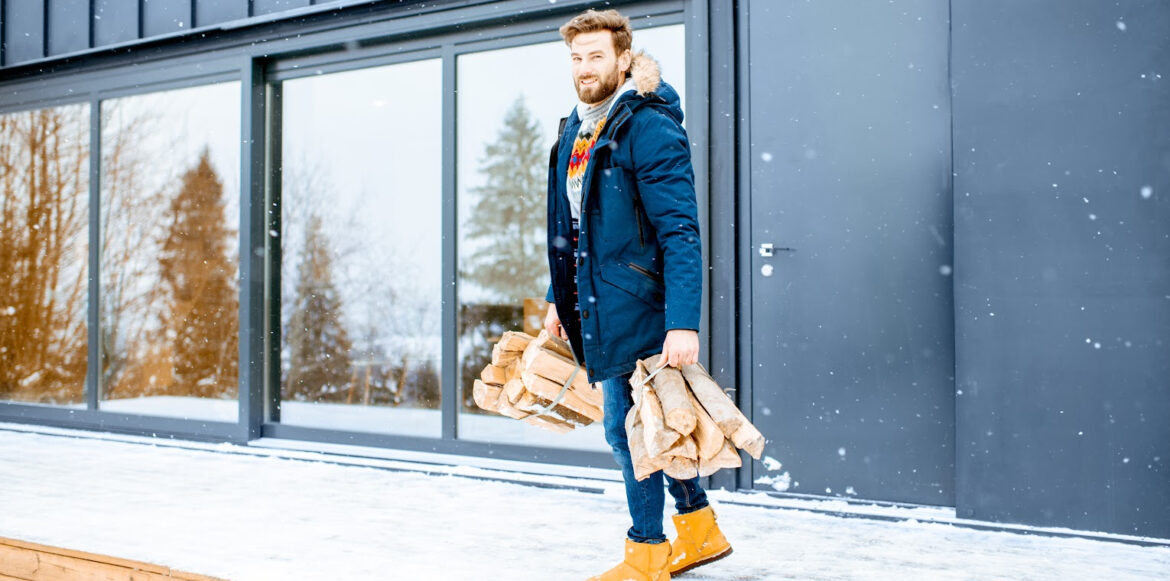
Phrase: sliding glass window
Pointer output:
(169, 305)
(360, 241)
(507, 123)
(44, 252)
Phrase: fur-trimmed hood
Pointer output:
(645, 72)
(650, 89)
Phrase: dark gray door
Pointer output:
(852, 332)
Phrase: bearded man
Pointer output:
(624, 255)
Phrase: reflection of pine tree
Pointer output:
(507, 222)
(319, 348)
(200, 319)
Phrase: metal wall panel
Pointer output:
(269, 6)
(114, 21)
(24, 30)
(1062, 291)
(68, 26)
(209, 12)
(852, 336)
(165, 16)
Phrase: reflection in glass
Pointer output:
(505, 133)
(361, 199)
(169, 293)
(44, 251)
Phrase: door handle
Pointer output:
(767, 249)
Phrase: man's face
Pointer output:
(597, 70)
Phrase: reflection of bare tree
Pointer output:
(43, 240)
(130, 229)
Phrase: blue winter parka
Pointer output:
(639, 271)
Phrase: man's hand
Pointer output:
(681, 347)
(552, 323)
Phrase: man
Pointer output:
(626, 269)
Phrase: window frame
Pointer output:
(275, 52)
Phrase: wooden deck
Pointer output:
(32, 562)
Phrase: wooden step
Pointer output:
(34, 562)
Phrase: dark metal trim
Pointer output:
(251, 253)
(724, 349)
(450, 397)
(117, 84)
(286, 69)
(565, 456)
(153, 426)
(274, 254)
(697, 84)
(93, 309)
(743, 231)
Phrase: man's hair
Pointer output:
(592, 21)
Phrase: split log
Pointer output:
(681, 468)
(671, 390)
(547, 390)
(726, 458)
(549, 423)
(512, 371)
(644, 464)
(506, 408)
(503, 359)
(493, 375)
(554, 344)
(513, 341)
(552, 366)
(658, 436)
(749, 439)
(637, 378)
(486, 396)
(707, 434)
(514, 389)
(532, 404)
(529, 402)
(715, 402)
(684, 448)
(591, 395)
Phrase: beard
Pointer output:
(606, 85)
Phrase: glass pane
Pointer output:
(505, 132)
(169, 302)
(361, 243)
(44, 255)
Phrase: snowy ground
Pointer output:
(249, 513)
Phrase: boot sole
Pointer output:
(710, 559)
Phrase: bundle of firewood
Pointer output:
(684, 424)
(526, 381)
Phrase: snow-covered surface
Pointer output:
(259, 513)
(423, 423)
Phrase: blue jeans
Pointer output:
(645, 499)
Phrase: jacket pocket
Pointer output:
(636, 280)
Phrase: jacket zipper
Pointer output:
(645, 272)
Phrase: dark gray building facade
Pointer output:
(938, 233)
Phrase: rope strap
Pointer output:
(544, 410)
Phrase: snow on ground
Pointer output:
(246, 513)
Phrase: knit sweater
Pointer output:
(593, 119)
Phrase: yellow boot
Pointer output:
(643, 562)
(699, 541)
